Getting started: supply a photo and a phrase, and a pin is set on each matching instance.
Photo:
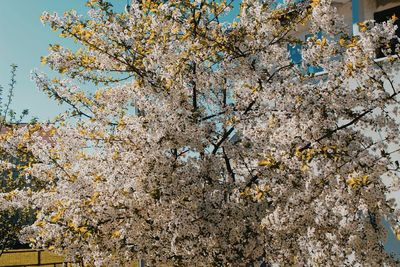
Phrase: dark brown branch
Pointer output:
(212, 116)
(63, 99)
(224, 96)
(249, 107)
(252, 181)
(194, 89)
(224, 137)
(332, 131)
(228, 166)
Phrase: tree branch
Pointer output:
(228, 166)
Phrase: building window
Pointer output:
(284, 2)
(295, 54)
(384, 16)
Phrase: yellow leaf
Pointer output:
(97, 177)
(305, 168)
(260, 195)
(26, 136)
(398, 234)
(314, 3)
(43, 60)
(364, 180)
(392, 59)
(186, 36)
(72, 225)
(353, 42)
(62, 70)
(94, 197)
(83, 229)
(168, 84)
(272, 121)
(40, 223)
(323, 42)
(266, 188)
(352, 182)
(10, 195)
(56, 217)
(72, 178)
(116, 234)
(245, 193)
(115, 156)
(350, 65)
(97, 95)
(265, 162)
(53, 131)
(87, 235)
(362, 27)
(299, 99)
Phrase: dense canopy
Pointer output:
(205, 145)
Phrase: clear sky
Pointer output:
(23, 40)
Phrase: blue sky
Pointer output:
(23, 40)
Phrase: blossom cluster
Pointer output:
(205, 145)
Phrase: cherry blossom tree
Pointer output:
(12, 221)
(205, 145)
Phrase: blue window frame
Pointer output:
(281, 3)
(295, 53)
(296, 56)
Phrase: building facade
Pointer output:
(354, 12)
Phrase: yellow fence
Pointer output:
(31, 257)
